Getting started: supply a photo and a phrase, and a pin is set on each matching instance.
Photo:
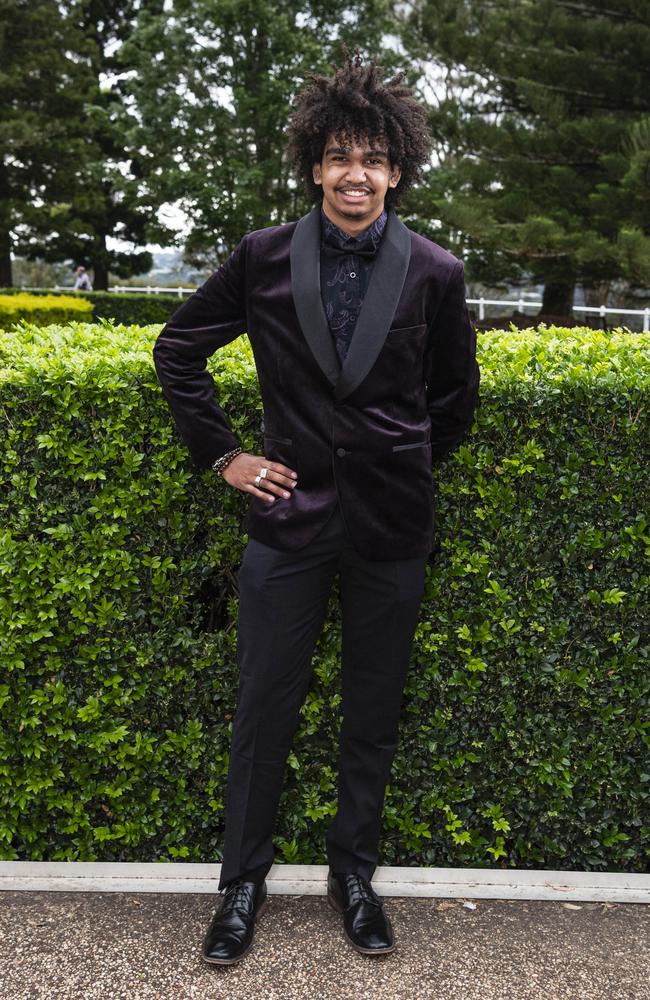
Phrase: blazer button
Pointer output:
(341, 452)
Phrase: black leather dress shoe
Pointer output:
(230, 934)
(366, 925)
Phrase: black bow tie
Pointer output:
(333, 245)
(337, 250)
(335, 242)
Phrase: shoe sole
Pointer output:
(233, 961)
(364, 951)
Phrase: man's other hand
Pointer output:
(278, 481)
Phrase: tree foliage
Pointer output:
(543, 127)
(115, 109)
(67, 182)
(42, 135)
(213, 82)
(107, 200)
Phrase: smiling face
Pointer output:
(355, 178)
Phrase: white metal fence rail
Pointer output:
(146, 289)
(521, 304)
(155, 290)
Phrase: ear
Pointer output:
(395, 174)
(316, 173)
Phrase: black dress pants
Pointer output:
(283, 600)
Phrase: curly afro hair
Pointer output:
(357, 104)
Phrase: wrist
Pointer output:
(221, 463)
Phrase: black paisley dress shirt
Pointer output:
(346, 263)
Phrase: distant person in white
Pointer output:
(82, 280)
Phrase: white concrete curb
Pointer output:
(453, 883)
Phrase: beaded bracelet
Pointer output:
(220, 464)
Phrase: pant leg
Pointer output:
(380, 606)
(283, 599)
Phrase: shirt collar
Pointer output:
(368, 239)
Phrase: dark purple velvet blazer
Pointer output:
(364, 433)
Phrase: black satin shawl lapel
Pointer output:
(305, 287)
(379, 305)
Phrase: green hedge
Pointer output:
(42, 309)
(526, 732)
(131, 308)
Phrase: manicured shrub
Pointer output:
(131, 308)
(134, 307)
(42, 309)
(526, 735)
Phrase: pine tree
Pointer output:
(42, 132)
(68, 175)
(543, 128)
(107, 201)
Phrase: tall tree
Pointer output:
(44, 87)
(68, 177)
(543, 127)
(108, 200)
(213, 82)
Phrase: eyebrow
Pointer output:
(346, 149)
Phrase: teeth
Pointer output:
(358, 194)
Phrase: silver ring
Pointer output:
(263, 473)
(257, 480)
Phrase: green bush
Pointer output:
(130, 308)
(133, 308)
(42, 309)
(526, 729)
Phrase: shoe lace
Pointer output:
(360, 889)
(236, 894)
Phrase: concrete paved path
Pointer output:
(127, 946)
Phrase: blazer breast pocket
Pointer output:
(406, 332)
(402, 355)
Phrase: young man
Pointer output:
(366, 362)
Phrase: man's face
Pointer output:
(355, 179)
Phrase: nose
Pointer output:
(356, 173)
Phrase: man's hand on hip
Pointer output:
(279, 480)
